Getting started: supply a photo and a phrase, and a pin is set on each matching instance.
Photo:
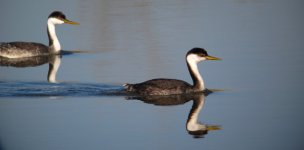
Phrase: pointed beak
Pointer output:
(70, 22)
(213, 128)
(212, 58)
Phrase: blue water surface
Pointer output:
(258, 103)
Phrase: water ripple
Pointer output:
(23, 89)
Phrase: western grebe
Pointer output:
(29, 49)
(173, 86)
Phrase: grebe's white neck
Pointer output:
(198, 82)
(54, 45)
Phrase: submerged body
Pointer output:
(174, 86)
(30, 49)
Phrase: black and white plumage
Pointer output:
(172, 86)
(30, 49)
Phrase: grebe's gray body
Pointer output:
(173, 86)
(30, 49)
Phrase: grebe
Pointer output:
(173, 86)
(29, 49)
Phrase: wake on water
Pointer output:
(20, 89)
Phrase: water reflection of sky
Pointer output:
(133, 40)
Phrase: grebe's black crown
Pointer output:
(198, 51)
(57, 14)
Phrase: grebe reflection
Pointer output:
(193, 126)
(53, 60)
(54, 65)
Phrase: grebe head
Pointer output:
(199, 54)
(58, 17)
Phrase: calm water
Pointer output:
(260, 105)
